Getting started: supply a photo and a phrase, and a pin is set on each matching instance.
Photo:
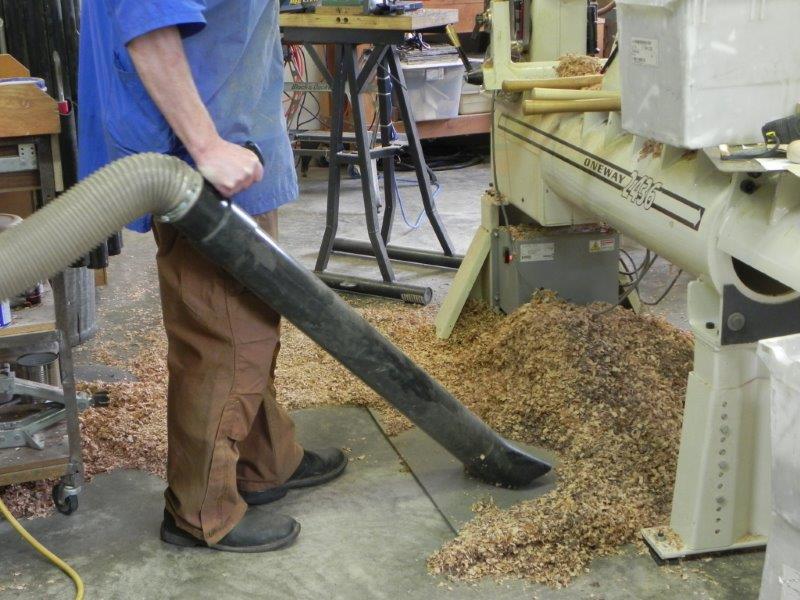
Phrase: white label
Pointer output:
(644, 52)
(434, 74)
(790, 584)
(537, 252)
(604, 245)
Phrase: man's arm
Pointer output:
(161, 63)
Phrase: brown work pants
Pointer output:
(226, 431)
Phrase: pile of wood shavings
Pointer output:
(605, 393)
(307, 376)
(28, 500)
(575, 65)
(131, 433)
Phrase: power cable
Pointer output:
(632, 287)
(666, 291)
(69, 571)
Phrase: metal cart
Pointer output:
(40, 439)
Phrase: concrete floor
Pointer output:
(364, 536)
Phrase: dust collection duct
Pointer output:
(51, 239)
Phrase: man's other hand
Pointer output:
(228, 167)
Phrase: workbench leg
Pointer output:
(368, 180)
(415, 149)
(74, 478)
(64, 324)
(320, 64)
(334, 171)
(389, 175)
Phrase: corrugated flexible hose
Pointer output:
(49, 241)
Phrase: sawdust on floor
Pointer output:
(605, 393)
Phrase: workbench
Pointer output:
(346, 31)
(461, 13)
(29, 127)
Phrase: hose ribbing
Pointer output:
(51, 239)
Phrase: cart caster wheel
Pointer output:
(66, 505)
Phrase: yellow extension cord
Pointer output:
(44, 551)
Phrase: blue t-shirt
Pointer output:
(234, 51)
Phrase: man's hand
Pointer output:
(161, 62)
(228, 167)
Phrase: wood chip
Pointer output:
(575, 65)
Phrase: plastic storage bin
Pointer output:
(434, 89)
(698, 73)
(782, 568)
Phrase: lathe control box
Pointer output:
(580, 263)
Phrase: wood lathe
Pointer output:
(735, 226)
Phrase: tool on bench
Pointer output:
(473, 76)
(21, 422)
(366, 7)
(299, 5)
(776, 134)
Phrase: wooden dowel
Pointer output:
(546, 107)
(549, 94)
(556, 83)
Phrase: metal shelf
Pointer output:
(19, 465)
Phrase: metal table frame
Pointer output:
(385, 62)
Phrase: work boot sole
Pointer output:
(186, 540)
(274, 494)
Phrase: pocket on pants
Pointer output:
(202, 284)
(251, 319)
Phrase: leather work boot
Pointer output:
(315, 468)
(258, 531)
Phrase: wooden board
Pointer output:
(460, 125)
(26, 328)
(25, 110)
(21, 204)
(413, 21)
(25, 181)
(37, 319)
(464, 281)
(11, 67)
(467, 11)
(18, 465)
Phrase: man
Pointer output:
(197, 79)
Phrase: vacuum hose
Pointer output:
(52, 238)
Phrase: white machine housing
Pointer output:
(698, 73)
(734, 226)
